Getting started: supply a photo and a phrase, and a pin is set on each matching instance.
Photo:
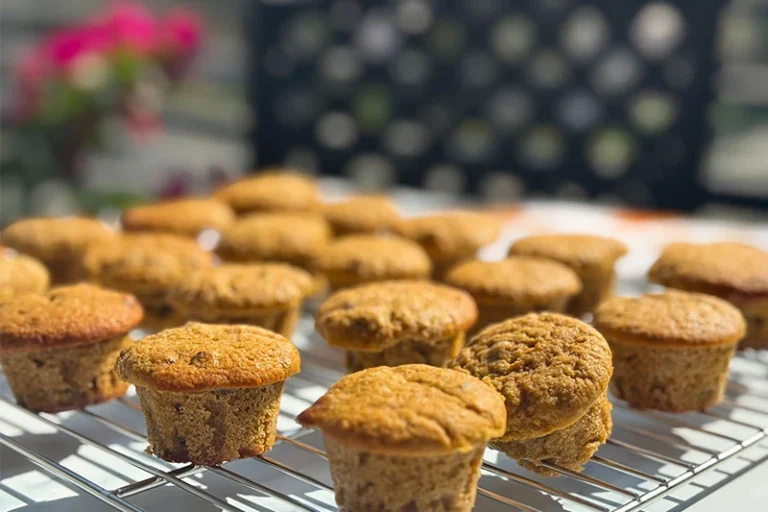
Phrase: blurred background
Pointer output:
(651, 104)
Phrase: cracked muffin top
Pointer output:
(197, 357)
(186, 217)
(361, 258)
(144, 263)
(579, 252)
(361, 214)
(549, 368)
(295, 238)
(66, 316)
(408, 409)
(672, 318)
(451, 235)
(372, 317)
(21, 274)
(48, 238)
(519, 280)
(270, 190)
(256, 287)
(718, 268)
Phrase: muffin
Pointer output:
(271, 190)
(450, 238)
(361, 214)
(267, 295)
(553, 372)
(592, 258)
(184, 217)
(57, 242)
(58, 349)
(21, 274)
(515, 286)
(210, 393)
(357, 259)
(406, 438)
(734, 272)
(390, 323)
(670, 350)
(146, 265)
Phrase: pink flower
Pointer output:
(65, 46)
(131, 26)
(180, 32)
(33, 69)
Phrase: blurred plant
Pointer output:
(88, 85)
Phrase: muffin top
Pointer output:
(550, 369)
(361, 214)
(717, 268)
(255, 287)
(408, 409)
(197, 357)
(670, 318)
(48, 238)
(450, 235)
(21, 274)
(375, 316)
(144, 263)
(576, 251)
(271, 190)
(66, 316)
(289, 237)
(360, 258)
(520, 280)
(186, 217)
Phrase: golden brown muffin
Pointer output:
(552, 370)
(58, 349)
(451, 237)
(21, 274)
(57, 242)
(361, 214)
(391, 323)
(146, 265)
(267, 295)
(734, 272)
(210, 393)
(515, 286)
(592, 258)
(670, 350)
(185, 217)
(271, 190)
(357, 259)
(415, 428)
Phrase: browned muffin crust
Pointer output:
(576, 251)
(379, 315)
(198, 357)
(66, 316)
(21, 274)
(519, 280)
(362, 258)
(550, 368)
(361, 214)
(721, 269)
(144, 263)
(186, 217)
(271, 190)
(451, 235)
(295, 238)
(411, 409)
(251, 288)
(53, 238)
(670, 318)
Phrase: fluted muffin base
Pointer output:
(493, 313)
(282, 322)
(407, 352)
(375, 481)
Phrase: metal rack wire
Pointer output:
(649, 456)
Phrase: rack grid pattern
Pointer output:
(649, 455)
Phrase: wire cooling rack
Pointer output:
(99, 451)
